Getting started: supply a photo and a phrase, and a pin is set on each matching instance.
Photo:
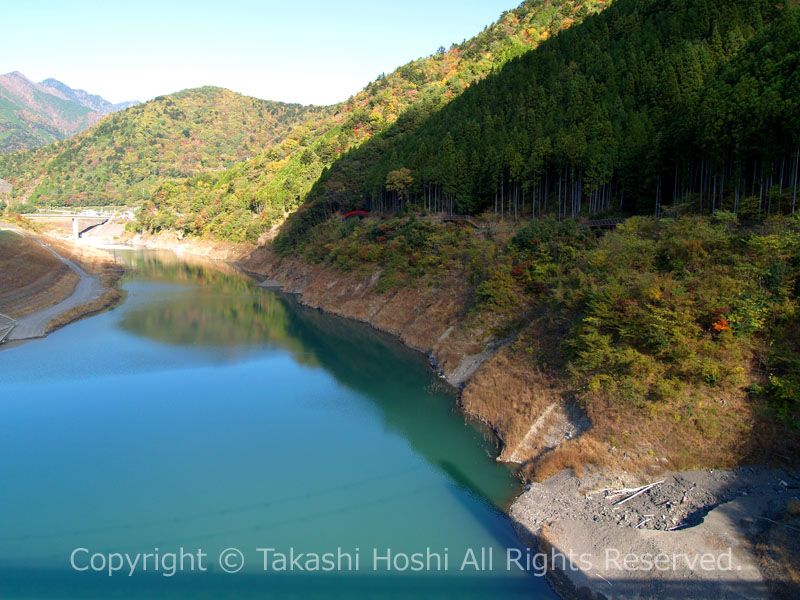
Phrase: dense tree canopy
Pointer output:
(649, 103)
(258, 194)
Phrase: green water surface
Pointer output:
(205, 414)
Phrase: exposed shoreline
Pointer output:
(739, 509)
(91, 294)
(736, 518)
(565, 512)
(94, 294)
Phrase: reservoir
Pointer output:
(208, 417)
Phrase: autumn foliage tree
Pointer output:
(399, 182)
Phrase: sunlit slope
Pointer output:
(32, 115)
(128, 154)
(254, 196)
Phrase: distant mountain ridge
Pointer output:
(32, 115)
(92, 101)
(35, 114)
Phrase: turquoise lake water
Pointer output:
(205, 414)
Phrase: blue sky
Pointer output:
(308, 51)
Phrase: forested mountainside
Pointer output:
(694, 104)
(126, 156)
(32, 114)
(252, 197)
(678, 336)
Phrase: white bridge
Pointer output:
(80, 223)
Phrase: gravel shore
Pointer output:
(716, 529)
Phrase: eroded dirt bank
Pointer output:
(31, 277)
(429, 320)
(113, 234)
(742, 516)
(753, 515)
(522, 405)
(211, 249)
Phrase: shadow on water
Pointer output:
(390, 389)
(362, 359)
(227, 309)
(504, 535)
(190, 465)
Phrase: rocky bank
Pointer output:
(692, 534)
(742, 516)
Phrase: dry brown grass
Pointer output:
(107, 300)
(90, 259)
(697, 427)
(23, 261)
(31, 278)
(702, 428)
(55, 227)
(518, 383)
(574, 454)
(509, 396)
(97, 263)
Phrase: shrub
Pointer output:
(498, 291)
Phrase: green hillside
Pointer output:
(678, 336)
(130, 153)
(30, 116)
(648, 104)
(254, 196)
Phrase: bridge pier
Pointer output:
(75, 231)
